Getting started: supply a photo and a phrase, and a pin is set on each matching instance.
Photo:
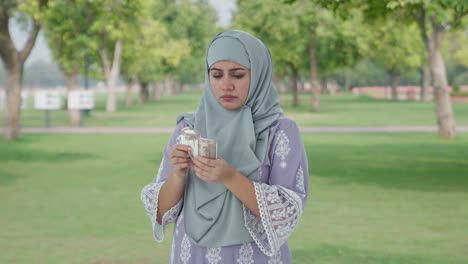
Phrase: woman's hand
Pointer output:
(180, 160)
(212, 170)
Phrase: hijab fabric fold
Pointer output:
(213, 216)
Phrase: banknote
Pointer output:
(200, 146)
(208, 148)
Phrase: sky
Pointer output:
(41, 50)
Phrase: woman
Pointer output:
(242, 206)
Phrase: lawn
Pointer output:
(374, 198)
(346, 110)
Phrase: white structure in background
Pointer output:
(24, 100)
(80, 99)
(47, 100)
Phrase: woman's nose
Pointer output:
(227, 84)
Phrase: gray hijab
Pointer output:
(213, 216)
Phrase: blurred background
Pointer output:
(90, 89)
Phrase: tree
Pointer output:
(30, 12)
(395, 47)
(108, 28)
(301, 36)
(66, 31)
(277, 25)
(443, 16)
(193, 22)
(435, 18)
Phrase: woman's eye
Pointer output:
(216, 76)
(238, 76)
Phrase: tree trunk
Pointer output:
(347, 80)
(13, 61)
(129, 90)
(294, 79)
(314, 78)
(324, 89)
(112, 73)
(168, 87)
(425, 82)
(12, 114)
(425, 67)
(156, 92)
(443, 103)
(394, 82)
(279, 87)
(144, 92)
(72, 84)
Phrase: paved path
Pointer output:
(148, 130)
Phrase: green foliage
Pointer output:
(289, 30)
(277, 25)
(33, 9)
(395, 46)
(67, 33)
(192, 22)
(169, 40)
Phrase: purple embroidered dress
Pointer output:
(281, 194)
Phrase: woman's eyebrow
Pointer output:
(237, 69)
(234, 69)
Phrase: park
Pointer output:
(388, 166)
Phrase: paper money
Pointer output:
(208, 148)
(190, 137)
(200, 146)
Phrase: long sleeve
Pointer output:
(282, 190)
(150, 193)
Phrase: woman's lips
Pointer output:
(228, 98)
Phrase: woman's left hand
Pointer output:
(212, 170)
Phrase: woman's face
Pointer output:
(230, 83)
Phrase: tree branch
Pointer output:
(23, 54)
(105, 61)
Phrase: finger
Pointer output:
(181, 147)
(179, 154)
(177, 160)
(205, 161)
(201, 167)
(181, 166)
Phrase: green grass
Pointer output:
(374, 198)
(347, 110)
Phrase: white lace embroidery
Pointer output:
(282, 148)
(300, 181)
(185, 250)
(149, 197)
(213, 255)
(245, 254)
(179, 220)
(280, 210)
(160, 169)
(275, 259)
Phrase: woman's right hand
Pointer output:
(180, 160)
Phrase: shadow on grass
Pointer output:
(7, 177)
(33, 155)
(421, 167)
(22, 151)
(331, 254)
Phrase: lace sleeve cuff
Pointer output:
(280, 211)
(149, 197)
